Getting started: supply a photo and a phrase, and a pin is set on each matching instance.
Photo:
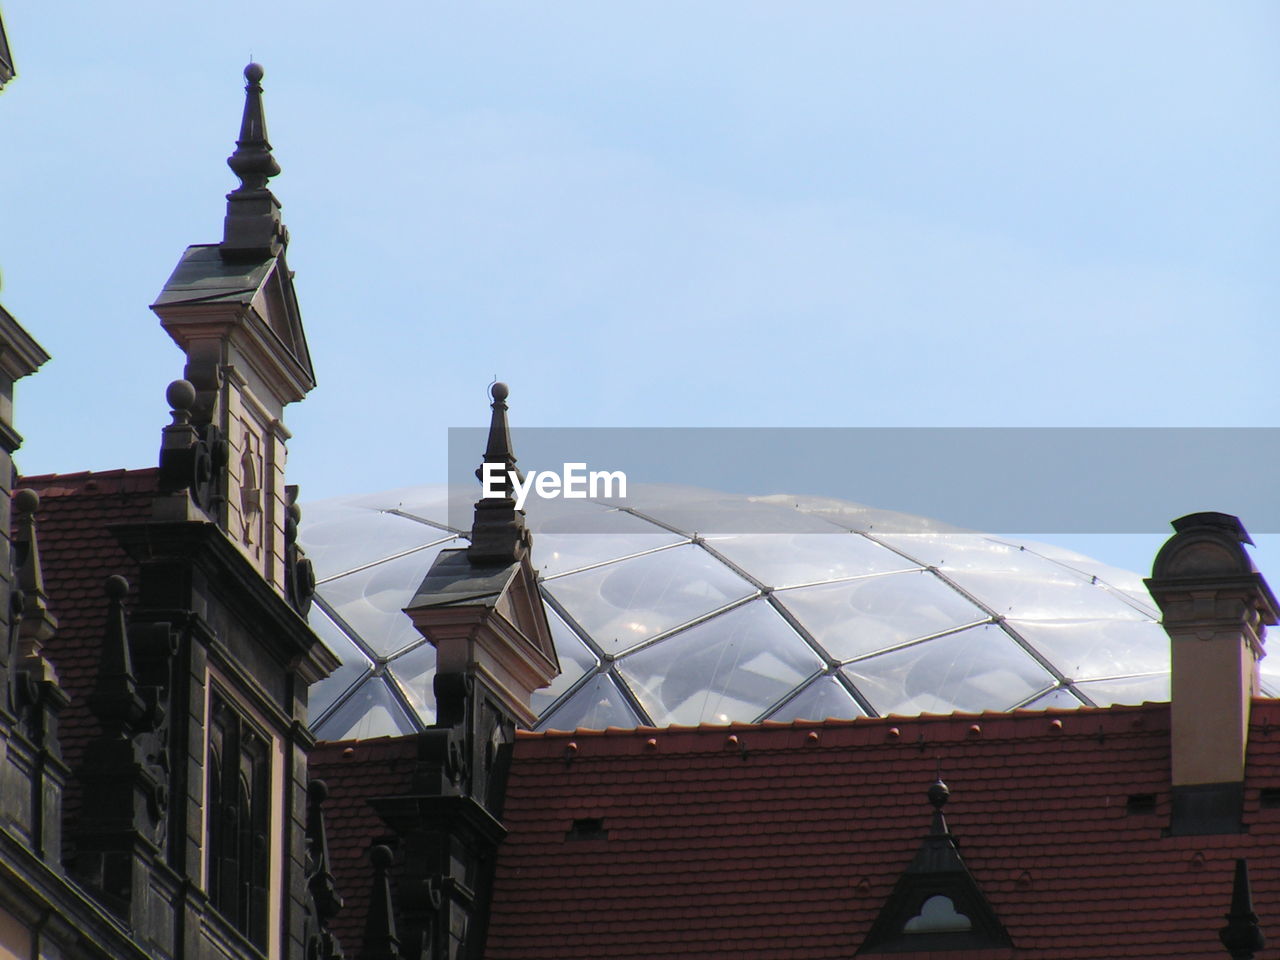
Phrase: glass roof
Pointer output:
(661, 615)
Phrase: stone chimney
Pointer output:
(1216, 608)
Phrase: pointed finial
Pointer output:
(1241, 936)
(252, 227)
(498, 449)
(939, 794)
(115, 699)
(380, 939)
(498, 533)
(321, 883)
(38, 623)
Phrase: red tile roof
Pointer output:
(78, 553)
(787, 840)
(356, 772)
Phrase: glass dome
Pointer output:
(656, 621)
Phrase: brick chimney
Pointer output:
(1216, 608)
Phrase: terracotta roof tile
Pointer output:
(77, 554)
(356, 772)
(796, 847)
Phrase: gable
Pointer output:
(281, 314)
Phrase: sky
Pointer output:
(660, 214)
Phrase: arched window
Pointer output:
(238, 818)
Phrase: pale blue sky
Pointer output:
(647, 214)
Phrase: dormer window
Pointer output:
(238, 818)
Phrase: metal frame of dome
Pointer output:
(658, 621)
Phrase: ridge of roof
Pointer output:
(333, 751)
(119, 480)
(890, 720)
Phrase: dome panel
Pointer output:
(704, 512)
(413, 673)
(1095, 649)
(966, 551)
(596, 705)
(737, 664)
(823, 699)
(981, 668)
(428, 502)
(1059, 697)
(1127, 690)
(370, 711)
(630, 601)
(559, 553)
(854, 618)
(371, 601)
(1050, 595)
(792, 560)
(340, 540)
(354, 663)
(575, 661)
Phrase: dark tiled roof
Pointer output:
(77, 554)
(787, 842)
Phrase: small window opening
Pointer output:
(1141, 803)
(587, 828)
(938, 915)
(1269, 798)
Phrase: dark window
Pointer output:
(239, 820)
(587, 828)
(1141, 803)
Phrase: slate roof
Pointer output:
(784, 840)
(203, 276)
(78, 553)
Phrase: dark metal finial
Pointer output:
(1242, 936)
(253, 226)
(498, 449)
(252, 160)
(939, 793)
(498, 533)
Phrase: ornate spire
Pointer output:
(253, 229)
(498, 533)
(1241, 936)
